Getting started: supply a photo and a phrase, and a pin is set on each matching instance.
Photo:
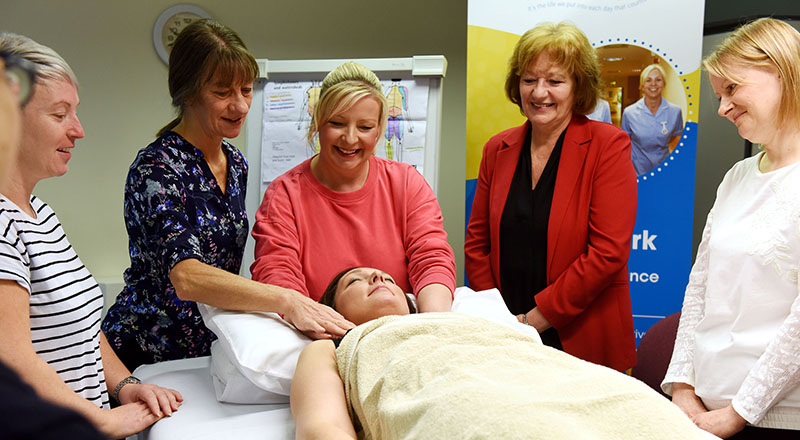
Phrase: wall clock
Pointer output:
(169, 24)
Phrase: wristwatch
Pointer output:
(122, 383)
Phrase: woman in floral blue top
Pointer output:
(185, 213)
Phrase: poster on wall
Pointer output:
(288, 106)
(630, 36)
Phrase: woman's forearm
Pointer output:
(200, 282)
(435, 298)
(18, 353)
(196, 281)
(684, 397)
(113, 369)
(49, 385)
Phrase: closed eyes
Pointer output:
(355, 279)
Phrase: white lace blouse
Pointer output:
(739, 335)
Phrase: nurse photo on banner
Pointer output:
(653, 123)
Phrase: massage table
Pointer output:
(201, 416)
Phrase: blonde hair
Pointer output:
(646, 71)
(49, 64)
(203, 49)
(341, 89)
(765, 43)
(567, 47)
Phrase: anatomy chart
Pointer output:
(288, 106)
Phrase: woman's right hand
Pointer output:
(683, 395)
(126, 420)
(315, 320)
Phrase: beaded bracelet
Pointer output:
(122, 383)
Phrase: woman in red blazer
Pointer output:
(555, 204)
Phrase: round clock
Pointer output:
(170, 23)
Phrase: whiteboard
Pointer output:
(430, 68)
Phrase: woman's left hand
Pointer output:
(723, 422)
(535, 319)
(161, 401)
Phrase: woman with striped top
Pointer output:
(51, 303)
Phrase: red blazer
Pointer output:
(588, 237)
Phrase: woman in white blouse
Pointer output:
(736, 365)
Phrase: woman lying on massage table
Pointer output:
(447, 375)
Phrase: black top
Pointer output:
(523, 234)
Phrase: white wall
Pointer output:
(124, 96)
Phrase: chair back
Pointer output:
(655, 351)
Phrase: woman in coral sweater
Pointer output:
(345, 206)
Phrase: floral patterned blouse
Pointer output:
(174, 210)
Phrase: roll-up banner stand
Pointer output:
(628, 36)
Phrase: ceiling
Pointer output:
(634, 58)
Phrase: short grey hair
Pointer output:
(49, 64)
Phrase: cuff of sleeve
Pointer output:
(556, 320)
(752, 416)
(669, 379)
(182, 254)
(19, 280)
(666, 387)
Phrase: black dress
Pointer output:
(523, 235)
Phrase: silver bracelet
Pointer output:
(122, 383)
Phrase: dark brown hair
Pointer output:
(203, 49)
(329, 295)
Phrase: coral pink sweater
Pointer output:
(306, 233)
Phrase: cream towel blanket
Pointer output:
(453, 376)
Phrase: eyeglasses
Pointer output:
(20, 74)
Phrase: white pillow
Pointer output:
(232, 386)
(261, 349)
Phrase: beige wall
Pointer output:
(124, 96)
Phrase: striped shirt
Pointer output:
(65, 300)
